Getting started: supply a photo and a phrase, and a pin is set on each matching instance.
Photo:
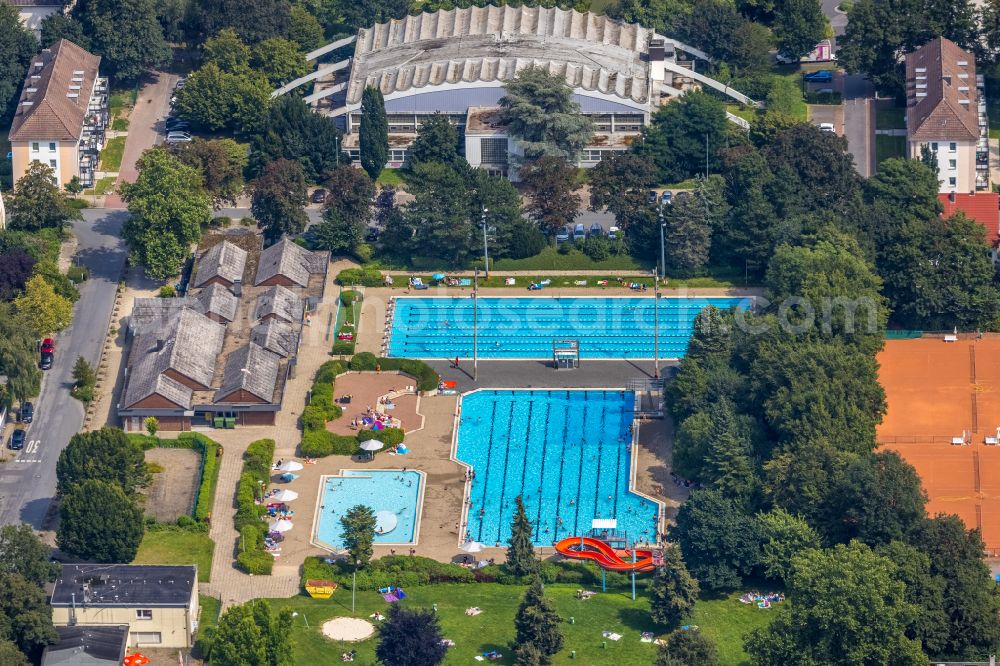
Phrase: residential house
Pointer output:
(61, 115)
(158, 604)
(220, 356)
(946, 114)
(84, 645)
(982, 207)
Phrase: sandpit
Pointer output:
(348, 629)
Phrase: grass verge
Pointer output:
(111, 156)
(889, 146)
(725, 620)
(891, 117)
(120, 125)
(103, 185)
(173, 545)
(390, 177)
(550, 259)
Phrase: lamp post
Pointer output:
(656, 325)
(475, 326)
(336, 150)
(486, 252)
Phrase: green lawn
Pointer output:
(120, 125)
(550, 259)
(688, 184)
(391, 177)
(121, 98)
(111, 156)
(891, 117)
(889, 146)
(177, 546)
(724, 620)
(102, 186)
(993, 112)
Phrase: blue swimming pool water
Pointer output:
(381, 490)
(566, 452)
(526, 327)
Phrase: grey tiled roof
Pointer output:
(147, 379)
(251, 368)
(291, 260)
(275, 336)
(218, 300)
(279, 301)
(151, 314)
(195, 346)
(224, 260)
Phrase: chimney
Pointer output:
(160, 344)
(238, 287)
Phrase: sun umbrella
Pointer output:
(280, 525)
(136, 659)
(285, 495)
(371, 445)
(472, 547)
(438, 276)
(288, 477)
(290, 466)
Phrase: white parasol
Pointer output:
(280, 525)
(371, 445)
(290, 466)
(472, 547)
(285, 495)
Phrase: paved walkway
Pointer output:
(151, 107)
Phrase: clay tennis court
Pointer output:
(939, 392)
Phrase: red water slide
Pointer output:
(606, 557)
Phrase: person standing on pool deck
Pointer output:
(456, 362)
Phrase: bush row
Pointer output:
(364, 276)
(209, 450)
(317, 441)
(252, 558)
(405, 570)
(427, 379)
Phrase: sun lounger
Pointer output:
(473, 611)
(611, 636)
(580, 283)
(465, 282)
(509, 282)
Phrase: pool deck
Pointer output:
(365, 390)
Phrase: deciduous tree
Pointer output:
(358, 527)
(99, 522)
(253, 22)
(16, 266)
(105, 455)
(720, 542)
(685, 137)
(439, 215)
(63, 26)
(551, 185)
(127, 35)
(280, 60)
(24, 554)
(673, 590)
(17, 46)
(168, 206)
(214, 99)
(348, 210)
(41, 309)
(36, 202)
(253, 634)
(783, 536)
(221, 163)
(25, 617)
(373, 135)
(304, 29)
(279, 199)
(410, 637)
(688, 647)
(798, 26)
(620, 183)
(540, 113)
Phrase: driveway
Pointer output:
(28, 483)
(838, 19)
(828, 113)
(859, 123)
(145, 127)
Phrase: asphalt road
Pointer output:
(859, 123)
(27, 484)
(838, 20)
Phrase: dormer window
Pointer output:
(963, 63)
(921, 70)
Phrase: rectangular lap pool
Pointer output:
(395, 497)
(524, 328)
(566, 452)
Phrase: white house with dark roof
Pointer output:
(158, 603)
(61, 115)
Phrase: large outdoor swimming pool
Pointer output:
(395, 497)
(566, 452)
(526, 327)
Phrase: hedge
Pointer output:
(366, 277)
(322, 443)
(257, 562)
(258, 459)
(388, 436)
(209, 450)
(317, 442)
(247, 520)
(348, 297)
(427, 378)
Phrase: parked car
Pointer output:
(783, 59)
(178, 137)
(596, 230)
(174, 124)
(613, 232)
(826, 127)
(48, 345)
(45, 362)
(319, 195)
(825, 91)
(579, 232)
(17, 440)
(682, 196)
(822, 76)
(666, 197)
(652, 196)
(26, 413)
(562, 235)
(180, 83)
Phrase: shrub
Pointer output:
(77, 273)
(343, 348)
(255, 562)
(365, 276)
(388, 436)
(400, 570)
(168, 291)
(258, 459)
(248, 222)
(365, 361)
(322, 443)
(349, 297)
(597, 248)
(313, 418)
(327, 373)
(221, 221)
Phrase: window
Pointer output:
(952, 164)
(52, 146)
(952, 181)
(952, 147)
(144, 614)
(148, 638)
(34, 147)
(397, 154)
(493, 151)
(934, 146)
(355, 154)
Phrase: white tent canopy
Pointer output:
(285, 495)
(289, 466)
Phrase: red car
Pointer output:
(47, 354)
(48, 346)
